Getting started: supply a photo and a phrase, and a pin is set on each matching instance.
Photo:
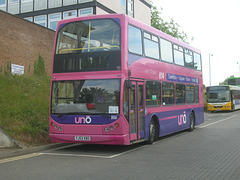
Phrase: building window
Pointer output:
(53, 20)
(41, 20)
(83, 1)
(27, 6)
(40, 4)
(13, 1)
(69, 2)
(130, 8)
(29, 19)
(2, 2)
(3, 5)
(69, 14)
(13, 6)
(85, 12)
(55, 3)
(123, 6)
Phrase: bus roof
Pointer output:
(134, 22)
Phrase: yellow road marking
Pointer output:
(19, 157)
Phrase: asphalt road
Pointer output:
(211, 151)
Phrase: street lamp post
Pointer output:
(210, 67)
(238, 69)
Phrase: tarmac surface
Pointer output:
(7, 152)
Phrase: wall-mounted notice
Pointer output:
(17, 69)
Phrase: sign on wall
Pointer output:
(17, 69)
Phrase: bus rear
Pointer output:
(86, 82)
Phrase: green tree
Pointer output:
(225, 82)
(169, 27)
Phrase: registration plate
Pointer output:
(82, 138)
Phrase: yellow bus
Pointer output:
(223, 98)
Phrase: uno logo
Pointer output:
(83, 120)
(182, 118)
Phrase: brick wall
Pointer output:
(21, 42)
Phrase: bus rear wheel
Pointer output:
(192, 122)
(152, 132)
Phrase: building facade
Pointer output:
(47, 13)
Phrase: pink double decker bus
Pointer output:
(118, 81)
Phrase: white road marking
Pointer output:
(93, 156)
(216, 122)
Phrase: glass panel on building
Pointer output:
(69, 14)
(55, 3)
(130, 8)
(26, 6)
(85, 12)
(83, 1)
(53, 20)
(29, 19)
(41, 20)
(123, 6)
(3, 5)
(69, 2)
(13, 6)
(40, 4)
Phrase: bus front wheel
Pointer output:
(152, 132)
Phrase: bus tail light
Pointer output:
(116, 125)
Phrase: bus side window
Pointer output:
(166, 51)
(134, 40)
(188, 58)
(167, 93)
(180, 94)
(196, 94)
(197, 62)
(125, 101)
(153, 93)
(190, 94)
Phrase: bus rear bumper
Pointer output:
(90, 139)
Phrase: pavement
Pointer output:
(8, 152)
(10, 147)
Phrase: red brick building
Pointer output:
(22, 41)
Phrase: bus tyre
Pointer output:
(192, 122)
(152, 132)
